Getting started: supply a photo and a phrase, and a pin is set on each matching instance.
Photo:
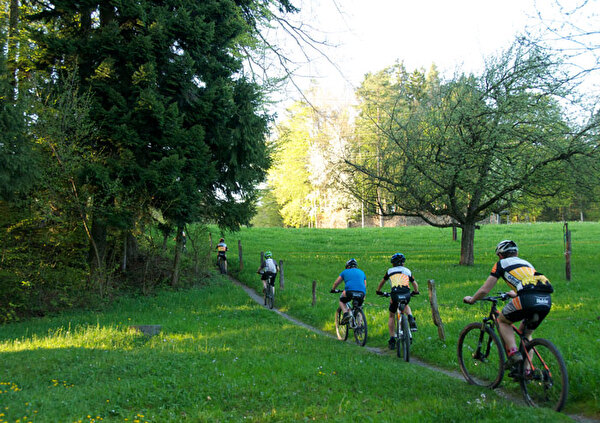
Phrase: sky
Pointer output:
(369, 35)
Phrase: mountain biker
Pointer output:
(268, 270)
(355, 286)
(400, 279)
(222, 250)
(530, 293)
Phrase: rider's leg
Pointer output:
(411, 318)
(392, 324)
(506, 332)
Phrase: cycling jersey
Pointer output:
(399, 277)
(520, 275)
(270, 266)
(354, 280)
(221, 248)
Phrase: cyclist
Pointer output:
(400, 279)
(268, 270)
(221, 251)
(355, 286)
(530, 292)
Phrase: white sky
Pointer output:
(456, 35)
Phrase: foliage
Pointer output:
(456, 152)
(219, 357)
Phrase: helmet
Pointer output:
(351, 263)
(268, 254)
(222, 240)
(506, 247)
(398, 259)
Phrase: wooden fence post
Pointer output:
(453, 232)
(567, 233)
(437, 320)
(314, 293)
(262, 258)
(210, 240)
(281, 277)
(240, 255)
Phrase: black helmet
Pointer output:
(506, 247)
(398, 259)
(351, 263)
(222, 240)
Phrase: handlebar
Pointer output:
(387, 294)
(502, 296)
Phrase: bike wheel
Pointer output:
(360, 331)
(480, 355)
(341, 329)
(405, 339)
(271, 295)
(398, 343)
(221, 266)
(544, 380)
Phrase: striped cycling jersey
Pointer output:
(398, 276)
(519, 274)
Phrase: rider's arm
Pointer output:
(338, 281)
(487, 286)
(380, 285)
(415, 285)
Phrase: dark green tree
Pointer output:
(179, 125)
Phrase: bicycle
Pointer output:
(542, 375)
(356, 321)
(404, 336)
(269, 292)
(222, 264)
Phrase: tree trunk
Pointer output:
(97, 252)
(178, 251)
(13, 45)
(467, 239)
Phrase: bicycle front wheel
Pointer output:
(270, 295)
(480, 355)
(404, 341)
(341, 329)
(360, 331)
(544, 381)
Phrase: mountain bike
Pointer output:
(222, 264)
(356, 321)
(404, 336)
(542, 375)
(269, 292)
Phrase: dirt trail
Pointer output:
(381, 351)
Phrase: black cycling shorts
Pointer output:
(397, 295)
(353, 295)
(270, 276)
(531, 307)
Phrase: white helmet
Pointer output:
(506, 247)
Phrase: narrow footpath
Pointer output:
(380, 351)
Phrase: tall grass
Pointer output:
(319, 255)
(219, 358)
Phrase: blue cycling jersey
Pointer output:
(354, 280)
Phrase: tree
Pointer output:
(181, 127)
(470, 146)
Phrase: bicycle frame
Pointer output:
(492, 322)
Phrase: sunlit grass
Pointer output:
(319, 255)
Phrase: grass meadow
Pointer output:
(319, 255)
(221, 357)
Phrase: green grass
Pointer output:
(319, 255)
(219, 358)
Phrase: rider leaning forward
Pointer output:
(530, 292)
(268, 270)
(400, 279)
(355, 286)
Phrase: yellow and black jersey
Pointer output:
(520, 275)
(399, 277)
(221, 248)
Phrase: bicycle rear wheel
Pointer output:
(341, 329)
(398, 336)
(360, 331)
(404, 341)
(270, 295)
(544, 381)
(480, 355)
